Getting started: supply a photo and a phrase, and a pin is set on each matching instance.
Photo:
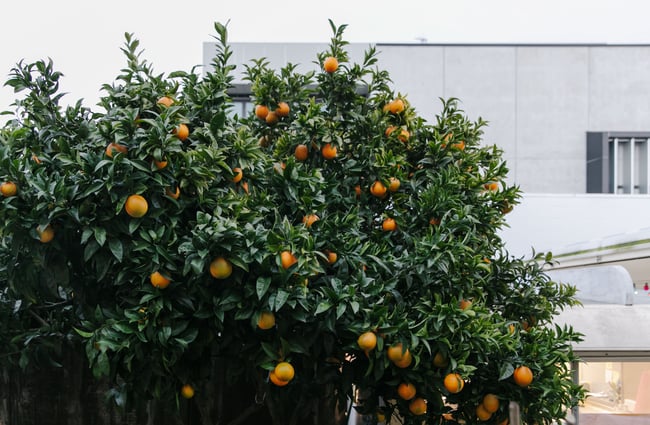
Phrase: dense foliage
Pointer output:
(273, 220)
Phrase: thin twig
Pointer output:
(38, 318)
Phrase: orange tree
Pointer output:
(330, 249)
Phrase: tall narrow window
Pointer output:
(618, 163)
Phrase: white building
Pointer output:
(574, 124)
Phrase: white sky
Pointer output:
(83, 38)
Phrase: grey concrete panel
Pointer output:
(483, 79)
(620, 88)
(550, 175)
(417, 72)
(552, 104)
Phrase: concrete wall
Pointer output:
(539, 100)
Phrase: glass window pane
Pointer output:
(618, 393)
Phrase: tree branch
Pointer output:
(38, 318)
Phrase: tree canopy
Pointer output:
(329, 246)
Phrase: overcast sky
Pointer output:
(83, 38)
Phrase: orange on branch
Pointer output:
(418, 406)
(329, 151)
(165, 101)
(331, 64)
(523, 376)
(266, 320)
(136, 206)
(287, 259)
(378, 189)
(220, 268)
(182, 131)
(261, 112)
(187, 391)
(301, 152)
(389, 225)
(454, 383)
(284, 371)
(8, 189)
(238, 175)
(158, 280)
(114, 148)
(45, 235)
(406, 390)
(367, 341)
(283, 109)
(275, 380)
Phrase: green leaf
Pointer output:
(280, 299)
(506, 370)
(323, 306)
(262, 286)
(116, 248)
(100, 235)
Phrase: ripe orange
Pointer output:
(45, 235)
(271, 118)
(266, 320)
(158, 280)
(310, 219)
(434, 221)
(464, 304)
(301, 152)
(406, 390)
(182, 131)
(405, 361)
(331, 64)
(493, 186)
(454, 383)
(8, 189)
(394, 184)
(378, 189)
(357, 190)
(284, 371)
(404, 135)
(490, 403)
(220, 268)
(396, 352)
(113, 148)
(328, 151)
(287, 259)
(136, 206)
(389, 130)
(332, 257)
(283, 109)
(238, 175)
(396, 106)
(482, 414)
(418, 406)
(165, 101)
(261, 112)
(244, 186)
(459, 145)
(276, 381)
(523, 376)
(160, 164)
(440, 360)
(187, 391)
(367, 341)
(175, 194)
(389, 225)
